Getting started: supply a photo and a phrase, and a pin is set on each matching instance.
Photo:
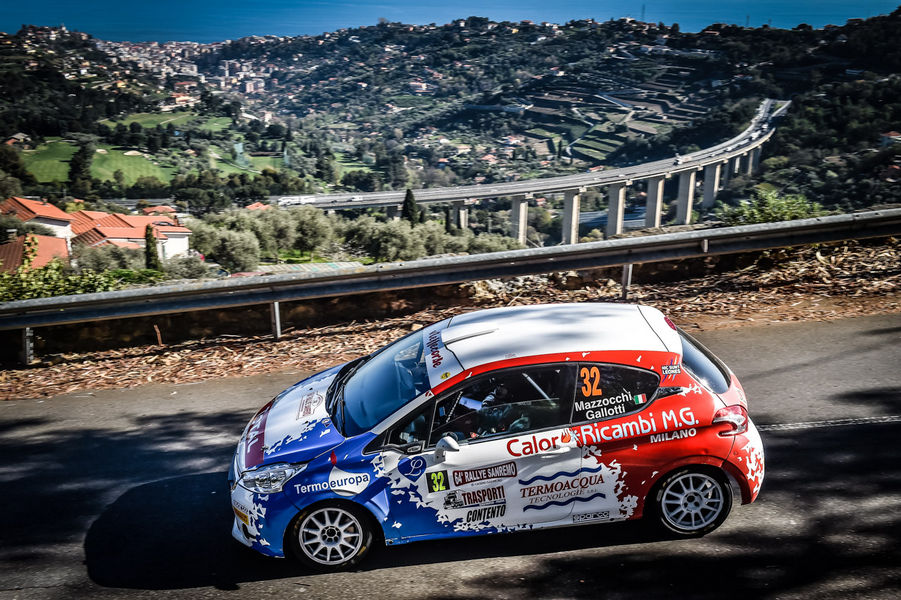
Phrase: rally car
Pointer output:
(494, 421)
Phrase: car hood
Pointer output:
(294, 427)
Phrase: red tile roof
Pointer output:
(259, 206)
(157, 210)
(26, 209)
(49, 247)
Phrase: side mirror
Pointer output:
(414, 448)
(445, 444)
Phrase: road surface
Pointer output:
(122, 494)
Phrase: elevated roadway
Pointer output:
(718, 163)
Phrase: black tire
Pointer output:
(331, 537)
(691, 502)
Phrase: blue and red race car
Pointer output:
(494, 421)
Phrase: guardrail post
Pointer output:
(275, 317)
(627, 279)
(571, 209)
(519, 219)
(711, 184)
(27, 353)
(461, 214)
(654, 202)
(616, 205)
(686, 197)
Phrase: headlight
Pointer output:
(269, 479)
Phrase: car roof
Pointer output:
(491, 335)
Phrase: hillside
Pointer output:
(393, 106)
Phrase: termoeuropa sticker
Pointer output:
(507, 469)
(339, 481)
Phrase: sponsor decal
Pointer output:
(537, 444)
(467, 499)
(507, 469)
(602, 408)
(670, 370)
(639, 399)
(477, 515)
(602, 515)
(596, 433)
(242, 512)
(434, 352)
(412, 468)
(562, 488)
(437, 481)
(445, 375)
(339, 481)
(674, 435)
(308, 404)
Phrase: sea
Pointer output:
(218, 20)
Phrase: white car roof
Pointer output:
(491, 335)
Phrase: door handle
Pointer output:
(551, 453)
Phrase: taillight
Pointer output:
(670, 323)
(735, 416)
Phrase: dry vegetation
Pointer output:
(813, 283)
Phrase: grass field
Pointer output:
(153, 119)
(346, 164)
(216, 124)
(104, 165)
(49, 161)
(261, 162)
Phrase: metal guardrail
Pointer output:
(393, 276)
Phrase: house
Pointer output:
(41, 212)
(159, 210)
(259, 206)
(889, 138)
(48, 247)
(96, 228)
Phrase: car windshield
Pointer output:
(390, 379)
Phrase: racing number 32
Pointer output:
(591, 381)
(437, 481)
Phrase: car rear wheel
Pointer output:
(331, 537)
(691, 502)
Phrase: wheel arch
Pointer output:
(701, 462)
(364, 509)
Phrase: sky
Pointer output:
(215, 20)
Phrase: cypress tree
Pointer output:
(151, 257)
(409, 210)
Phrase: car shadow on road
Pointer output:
(176, 533)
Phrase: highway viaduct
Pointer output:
(716, 164)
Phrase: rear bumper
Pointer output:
(746, 463)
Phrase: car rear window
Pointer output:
(703, 365)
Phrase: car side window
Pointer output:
(509, 401)
(609, 391)
(413, 428)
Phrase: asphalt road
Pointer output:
(122, 494)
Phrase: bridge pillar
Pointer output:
(519, 219)
(616, 195)
(461, 214)
(571, 209)
(747, 165)
(686, 197)
(711, 184)
(726, 171)
(755, 158)
(736, 165)
(393, 213)
(654, 203)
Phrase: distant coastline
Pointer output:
(233, 20)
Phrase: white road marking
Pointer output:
(830, 423)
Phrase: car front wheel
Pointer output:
(691, 503)
(331, 537)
